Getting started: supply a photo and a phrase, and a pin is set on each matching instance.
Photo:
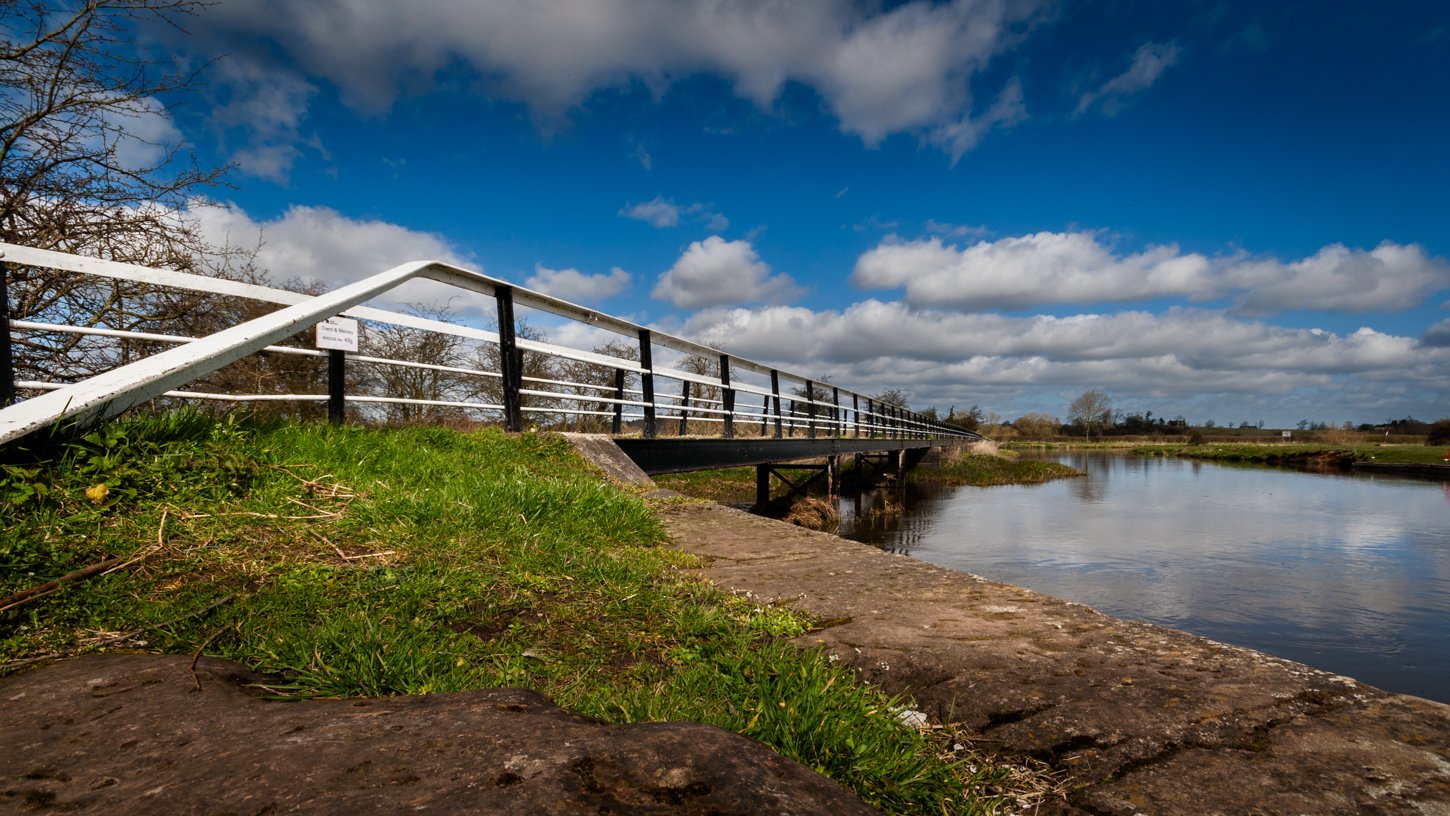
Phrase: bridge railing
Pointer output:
(645, 382)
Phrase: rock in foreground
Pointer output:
(131, 734)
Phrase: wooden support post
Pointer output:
(618, 406)
(833, 477)
(762, 484)
(728, 394)
(647, 383)
(510, 361)
(336, 385)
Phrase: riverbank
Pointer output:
(1299, 454)
(351, 563)
(1139, 718)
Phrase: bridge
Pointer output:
(92, 338)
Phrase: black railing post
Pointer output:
(336, 385)
(510, 361)
(7, 364)
(836, 412)
(856, 412)
(765, 415)
(728, 395)
(618, 404)
(647, 383)
(684, 405)
(810, 410)
(775, 393)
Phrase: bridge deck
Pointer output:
(675, 455)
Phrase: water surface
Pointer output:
(1346, 573)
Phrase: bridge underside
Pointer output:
(674, 455)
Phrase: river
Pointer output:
(1350, 574)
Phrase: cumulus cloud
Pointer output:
(1051, 268)
(944, 357)
(903, 69)
(322, 246)
(573, 285)
(716, 272)
(144, 134)
(1200, 340)
(1149, 63)
(1389, 277)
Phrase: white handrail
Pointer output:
(112, 392)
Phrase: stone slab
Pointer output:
(132, 734)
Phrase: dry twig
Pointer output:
(197, 654)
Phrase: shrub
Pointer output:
(1439, 433)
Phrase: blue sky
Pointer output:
(1237, 211)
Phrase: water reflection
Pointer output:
(1350, 574)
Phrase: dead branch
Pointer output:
(41, 590)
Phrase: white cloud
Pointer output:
(906, 69)
(1389, 277)
(573, 285)
(716, 272)
(320, 245)
(664, 212)
(658, 212)
(142, 132)
(1169, 361)
(266, 105)
(1149, 63)
(958, 138)
(1049, 268)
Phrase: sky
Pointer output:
(1227, 211)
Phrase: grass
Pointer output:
(723, 486)
(987, 470)
(346, 561)
(1300, 453)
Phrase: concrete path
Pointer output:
(1142, 719)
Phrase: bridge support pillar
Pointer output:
(829, 471)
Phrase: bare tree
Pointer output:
(595, 384)
(536, 366)
(73, 175)
(75, 91)
(894, 397)
(1037, 425)
(1092, 409)
(428, 348)
(701, 395)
